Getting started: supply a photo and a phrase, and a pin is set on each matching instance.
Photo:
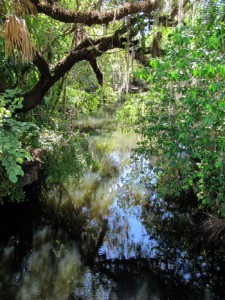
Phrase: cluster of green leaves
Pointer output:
(12, 152)
(66, 159)
(132, 109)
(82, 102)
(184, 122)
(66, 153)
(9, 190)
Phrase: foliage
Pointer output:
(82, 102)
(66, 159)
(133, 109)
(184, 122)
(10, 190)
(212, 10)
(12, 152)
(66, 151)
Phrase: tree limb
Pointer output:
(34, 97)
(41, 64)
(95, 17)
(98, 72)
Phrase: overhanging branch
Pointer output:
(98, 72)
(34, 97)
(95, 17)
(41, 64)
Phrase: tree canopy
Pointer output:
(84, 30)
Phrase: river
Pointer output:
(108, 236)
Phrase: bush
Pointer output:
(184, 123)
(12, 152)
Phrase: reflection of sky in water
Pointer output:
(95, 286)
(132, 239)
(127, 237)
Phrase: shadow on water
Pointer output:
(107, 236)
(38, 260)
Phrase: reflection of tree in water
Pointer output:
(183, 252)
(170, 242)
(46, 271)
(133, 279)
(130, 245)
(51, 268)
(77, 211)
(50, 262)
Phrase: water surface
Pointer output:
(107, 237)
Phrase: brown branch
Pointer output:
(155, 44)
(95, 17)
(98, 72)
(41, 64)
(95, 50)
(34, 97)
(90, 52)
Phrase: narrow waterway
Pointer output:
(108, 236)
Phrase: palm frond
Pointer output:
(24, 7)
(214, 228)
(17, 38)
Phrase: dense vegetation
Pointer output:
(51, 74)
(184, 115)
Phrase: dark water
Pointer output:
(108, 237)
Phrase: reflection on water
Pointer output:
(108, 236)
(50, 269)
(46, 271)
